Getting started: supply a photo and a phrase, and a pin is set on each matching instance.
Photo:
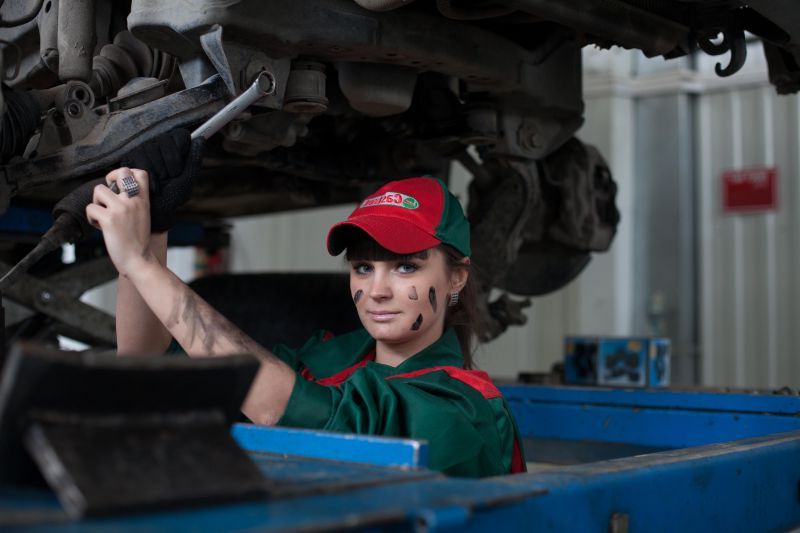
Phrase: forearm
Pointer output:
(139, 331)
(203, 332)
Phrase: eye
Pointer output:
(407, 268)
(362, 268)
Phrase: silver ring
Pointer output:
(130, 186)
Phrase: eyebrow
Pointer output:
(396, 258)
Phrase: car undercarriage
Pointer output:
(365, 91)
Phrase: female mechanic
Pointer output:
(407, 373)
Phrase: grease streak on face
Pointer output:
(417, 323)
(432, 298)
(357, 296)
(412, 293)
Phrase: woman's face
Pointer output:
(403, 302)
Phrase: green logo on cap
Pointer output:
(410, 203)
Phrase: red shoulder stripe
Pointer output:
(342, 375)
(477, 379)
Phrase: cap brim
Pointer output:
(397, 235)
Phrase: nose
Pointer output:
(380, 288)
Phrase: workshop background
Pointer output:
(722, 286)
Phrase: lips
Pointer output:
(382, 316)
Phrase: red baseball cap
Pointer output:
(405, 217)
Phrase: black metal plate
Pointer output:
(86, 384)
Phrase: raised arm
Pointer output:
(198, 328)
(139, 331)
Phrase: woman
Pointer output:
(406, 374)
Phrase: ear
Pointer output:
(459, 275)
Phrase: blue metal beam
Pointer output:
(652, 419)
(332, 446)
(749, 485)
(662, 399)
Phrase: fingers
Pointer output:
(104, 196)
(94, 213)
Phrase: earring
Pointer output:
(453, 299)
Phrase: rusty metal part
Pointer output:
(305, 88)
(114, 135)
(211, 41)
(499, 209)
(76, 39)
(137, 92)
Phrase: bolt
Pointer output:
(74, 109)
(46, 296)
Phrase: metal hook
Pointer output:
(733, 40)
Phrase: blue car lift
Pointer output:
(601, 460)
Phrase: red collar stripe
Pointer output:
(477, 379)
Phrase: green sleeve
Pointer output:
(294, 357)
(455, 420)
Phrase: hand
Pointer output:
(172, 161)
(123, 219)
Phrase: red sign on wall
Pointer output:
(751, 189)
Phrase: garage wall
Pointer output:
(749, 263)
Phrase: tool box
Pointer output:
(617, 361)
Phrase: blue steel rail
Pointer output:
(597, 423)
(739, 480)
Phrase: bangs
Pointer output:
(362, 247)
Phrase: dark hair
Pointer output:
(461, 317)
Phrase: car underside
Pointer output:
(365, 91)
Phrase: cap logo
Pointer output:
(395, 199)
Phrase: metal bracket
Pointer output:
(211, 42)
(57, 298)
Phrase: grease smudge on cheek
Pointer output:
(412, 294)
(417, 323)
(432, 298)
(357, 296)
